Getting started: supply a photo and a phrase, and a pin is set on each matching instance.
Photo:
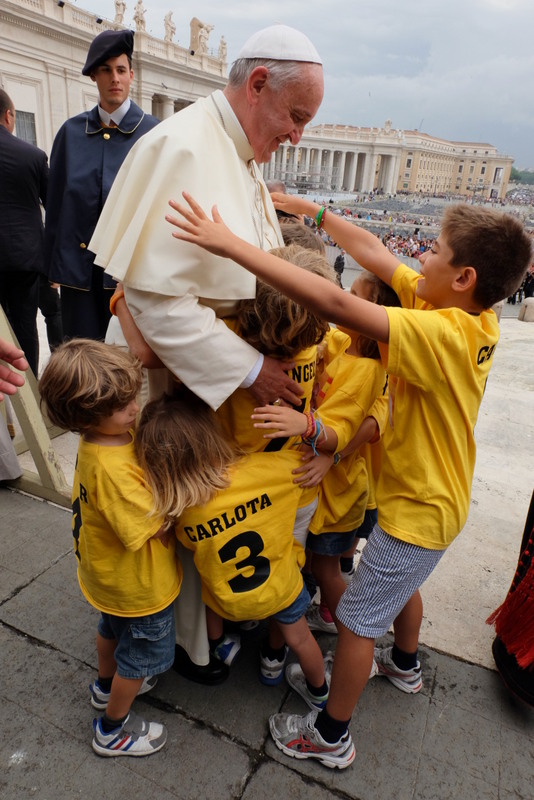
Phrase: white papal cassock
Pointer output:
(175, 290)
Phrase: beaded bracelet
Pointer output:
(319, 219)
(310, 425)
(114, 299)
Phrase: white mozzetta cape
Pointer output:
(203, 150)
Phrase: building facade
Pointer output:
(344, 158)
(43, 47)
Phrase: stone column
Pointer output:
(307, 153)
(283, 164)
(396, 172)
(167, 107)
(329, 169)
(369, 172)
(341, 172)
(352, 171)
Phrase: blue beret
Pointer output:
(107, 45)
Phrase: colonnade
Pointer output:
(330, 168)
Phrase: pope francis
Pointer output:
(177, 292)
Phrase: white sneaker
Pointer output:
(299, 738)
(100, 698)
(228, 650)
(272, 670)
(317, 623)
(329, 661)
(408, 681)
(297, 681)
(135, 737)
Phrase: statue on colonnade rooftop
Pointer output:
(170, 27)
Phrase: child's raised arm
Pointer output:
(311, 291)
(363, 246)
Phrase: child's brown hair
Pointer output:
(183, 452)
(495, 244)
(86, 381)
(276, 325)
(295, 232)
(383, 295)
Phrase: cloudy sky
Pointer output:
(459, 69)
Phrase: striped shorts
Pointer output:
(388, 574)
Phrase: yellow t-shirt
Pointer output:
(371, 452)
(121, 569)
(242, 540)
(350, 386)
(438, 362)
(235, 412)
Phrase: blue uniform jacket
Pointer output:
(85, 158)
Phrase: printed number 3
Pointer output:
(260, 565)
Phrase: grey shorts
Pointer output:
(387, 575)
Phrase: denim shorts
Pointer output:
(330, 544)
(145, 645)
(296, 610)
(387, 575)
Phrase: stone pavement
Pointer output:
(463, 736)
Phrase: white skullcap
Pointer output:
(280, 43)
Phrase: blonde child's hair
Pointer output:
(86, 381)
(183, 452)
(496, 245)
(276, 325)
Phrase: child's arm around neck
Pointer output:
(315, 293)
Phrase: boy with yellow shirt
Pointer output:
(437, 350)
(127, 567)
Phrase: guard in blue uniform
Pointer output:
(86, 155)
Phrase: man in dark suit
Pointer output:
(24, 180)
(86, 155)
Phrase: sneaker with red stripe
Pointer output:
(408, 681)
(299, 738)
(135, 737)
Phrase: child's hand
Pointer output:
(292, 204)
(285, 421)
(314, 468)
(196, 227)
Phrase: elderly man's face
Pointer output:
(280, 116)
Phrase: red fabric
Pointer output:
(514, 619)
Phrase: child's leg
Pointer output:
(273, 655)
(223, 647)
(214, 624)
(105, 649)
(350, 672)
(346, 560)
(299, 638)
(123, 693)
(327, 572)
(408, 623)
